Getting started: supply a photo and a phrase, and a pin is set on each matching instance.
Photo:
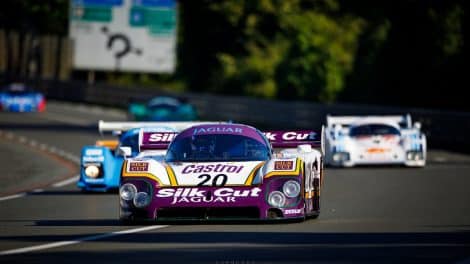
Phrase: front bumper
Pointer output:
(209, 203)
(358, 159)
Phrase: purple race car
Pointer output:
(223, 171)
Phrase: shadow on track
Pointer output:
(71, 192)
(116, 222)
(71, 223)
(263, 247)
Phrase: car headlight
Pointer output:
(412, 155)
(419, 156)
(341, 156)
(291, 189)
(409, 155)
(141, 199)
(92, 171)
(127, 191)
(276, 199)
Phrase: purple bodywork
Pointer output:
(248, 200)
(291, 139)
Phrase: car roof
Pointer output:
(164, 100)
(223, 129)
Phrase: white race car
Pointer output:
(374, 140)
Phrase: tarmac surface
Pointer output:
(369, 214)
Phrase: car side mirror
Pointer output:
(124, 151)
(417, 125)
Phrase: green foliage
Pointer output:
(253, 74)
(316, 50)
(450, 24)
(289, 49)
(166, 82)
(321, 54)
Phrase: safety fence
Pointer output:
(444, 129)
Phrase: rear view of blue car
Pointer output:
(162, 108)
(17, 97)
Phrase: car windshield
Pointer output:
(373, 129)
(219, 147)
(166, 107)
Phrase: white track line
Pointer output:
(43, 147)
(68, 120)
(66, 182)
(83, 239)
(14, 196)
(55, 185)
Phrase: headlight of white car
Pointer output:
(414, 155)
(341, 156)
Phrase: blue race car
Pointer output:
(101, 163)
(18, 97)
(162, 108)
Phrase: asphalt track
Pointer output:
(369, 215)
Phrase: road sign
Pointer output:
(124, 35)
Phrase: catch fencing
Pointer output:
(444, 129)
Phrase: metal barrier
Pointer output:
(444, 129)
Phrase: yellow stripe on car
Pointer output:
(295, 172)
(171, 175)
(250, 178)
(127, 174)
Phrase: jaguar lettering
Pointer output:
(222, 195)
(209, 130)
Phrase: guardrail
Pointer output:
(444, 129)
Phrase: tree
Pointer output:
(272, 49)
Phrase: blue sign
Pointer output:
(98, 2)
(155, 3)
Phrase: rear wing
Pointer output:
(294, 138)
(404, 121)
(152, 135)
(119, 127)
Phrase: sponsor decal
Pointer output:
(292, 211)
(94, 152)
(377, 150)
(138, 166)
(159, 137)
(217, 129)
(290, 136)
(212, 168)
(93, 159)
(284, 165)
(196, 195)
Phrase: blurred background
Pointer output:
(399, 53)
